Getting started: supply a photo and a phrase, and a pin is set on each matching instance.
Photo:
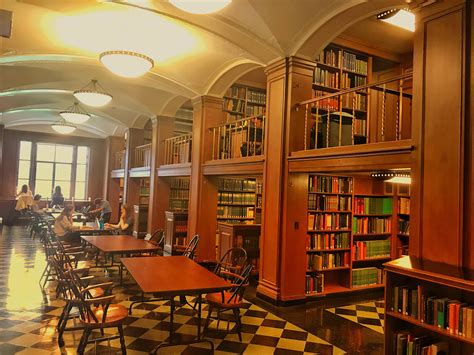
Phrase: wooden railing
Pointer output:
(178, 149)
(376, 112)
(142, 158)
(119, 160)
(241, 138)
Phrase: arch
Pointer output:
(140, 121)
(172, 106)
(45, 122)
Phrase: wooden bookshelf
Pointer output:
(176, 232)
(144, 192)
(236, 200)
(241, 101)
(179, 194)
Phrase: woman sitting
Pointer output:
(57, 200)
(125, 224)
(64, 228)
(24, 199)
(35, 205)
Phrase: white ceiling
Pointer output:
(55, 45)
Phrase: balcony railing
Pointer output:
(377, 112)
(241, 138)
(142, 158)
(178, 149)
(119, 160)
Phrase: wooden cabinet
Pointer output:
(176, 232)
(140, 221)
(246, 236)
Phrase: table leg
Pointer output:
(171, 319)
(199, 317)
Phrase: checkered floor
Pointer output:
(28, 317)
(370, 314)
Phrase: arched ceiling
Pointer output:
(54, 48)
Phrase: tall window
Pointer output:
(24, 165)
(55, 165)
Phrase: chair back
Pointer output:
(157, 238)
(233, 260)
(240, 281)
(190, 250)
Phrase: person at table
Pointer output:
(25, 190)
(102, 209)
(35, 205)
(125, 224)
(57, 199)
(24, 199)
(64, 227)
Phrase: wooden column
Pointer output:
(442, 226)
(112, 186)
(289, 81)
(2, 127)
(163, 128)
(134, 138)
(202, 220)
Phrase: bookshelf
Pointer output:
(242, 101)
(176, 232)
(179, 194)
(236, 200)
(144, 191)
(340, 68)
(428, 303)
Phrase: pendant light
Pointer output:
(63, 127)
(200, 7)
(74, 114)
(93, 95)
(126, 64)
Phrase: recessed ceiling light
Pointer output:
(200, 7)
(74, 114)
(93, 95)
(125, 63)
(399, 17)
(393, 177)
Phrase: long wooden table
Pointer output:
(119, 244)
(171, 276)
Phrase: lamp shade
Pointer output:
(63, 127)
(200, 7)
(75, 115)
(126, 64)
(93, 95)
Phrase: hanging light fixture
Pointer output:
(93, 95)
(63, 127)
(74, 114)
(393, 177)
(200, 7)
(125, 63)
(402, 18)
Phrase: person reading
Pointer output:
(57, 199)
(64, 226)
(103, 208)
(125, 224)
(24, 199)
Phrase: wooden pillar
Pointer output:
(2, 128)
(163, 128)
(441, 223)
(112, 186)
(134, 138)
(202, 220)
(289, 81)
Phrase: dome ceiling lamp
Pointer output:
(63, 127)
(93, 94)
(74, 114)
(200, 7)
(126, 64)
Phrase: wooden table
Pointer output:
(171, 276)
(119, 244)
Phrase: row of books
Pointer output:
(328, 260)
(326, 78)
(178, 205)
(373, 205)
(259, 201)
(231, 117)
(315, 283)
(235, 212)
(236, 91)
(181, 241)
(404, 205)
(455, 316)
(354, 101)
(144, 191)
(331, 104)
(234, 105)
(179, 194)
(350, 62)
(352, 81)
(236, 198)
(367, 276)
(237, 185)
(371, 225)
(330, 184)
(329, 57)
(410, 344)
(328, 241)
(258, 97)
(371, 249)
(181, 226)
(259, 188)
(329, 203)
(251, 110)
(144, 200)
(247, 243)
(360, 127)
(403, 226)
(328, 221)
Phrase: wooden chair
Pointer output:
(233, 260)
(231, 300)
(190, 251)
(98, 313)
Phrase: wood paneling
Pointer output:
(112, 186)
(132, 186)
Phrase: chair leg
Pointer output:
(63, 322)
(238, 322)
(208, 319)
(83, 343)
(122, 340)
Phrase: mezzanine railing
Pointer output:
(240, 138)
(376, 112)
(142, 158)
(178, 149)
(119, 160)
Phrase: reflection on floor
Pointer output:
(369, 314)
(28, 318)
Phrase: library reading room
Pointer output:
(237, 177)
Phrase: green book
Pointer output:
(441, 311)
(387, 206)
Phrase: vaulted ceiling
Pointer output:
(55, 44)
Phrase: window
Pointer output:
(55, 165)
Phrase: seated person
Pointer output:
(65, 229)
(103, 208)
(25, 189)
(25, 200)
(125, 224)
(57, 199)
(35, 206)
